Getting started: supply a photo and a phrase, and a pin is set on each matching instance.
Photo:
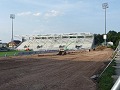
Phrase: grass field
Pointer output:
(9, 53)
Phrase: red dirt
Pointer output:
(52, 72)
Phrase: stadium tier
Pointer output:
(73, 41)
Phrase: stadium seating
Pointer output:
(53, 42)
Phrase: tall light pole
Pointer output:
(12, 16)
(105, 6)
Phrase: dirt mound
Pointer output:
(100, 48)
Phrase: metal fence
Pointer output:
(116, 86)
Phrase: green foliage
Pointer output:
(98, 39)
(112, 36)
(106, 81)
(113, 47)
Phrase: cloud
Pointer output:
(52, 13)
(28, 13)
(37, 14)
(24, 13)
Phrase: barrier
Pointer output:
(116, 86)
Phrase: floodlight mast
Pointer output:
(12, 16)
(105, 6)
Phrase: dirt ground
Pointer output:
(52, 72)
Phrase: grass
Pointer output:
(9, 53)
(105, 82)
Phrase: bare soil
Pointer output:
(52, 72)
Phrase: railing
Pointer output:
(116, 86)
(114, 54)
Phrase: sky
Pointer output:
(34, 17)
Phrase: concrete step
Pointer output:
(117, 61)
(117, 57)
(115, 77)
(117, 70)
(116, 67)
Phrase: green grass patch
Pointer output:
(9, 53)
(105, 82)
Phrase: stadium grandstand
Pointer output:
(72, 41)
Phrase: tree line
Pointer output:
(112, 36)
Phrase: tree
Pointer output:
(98, 39)
(112, 36)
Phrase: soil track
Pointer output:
(52, 72)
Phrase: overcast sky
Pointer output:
(57, 16)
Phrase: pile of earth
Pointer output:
(100, 48)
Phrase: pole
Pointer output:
(12, 16)
(12, 31)
(105, 26)
(105, 20)
(105, 6)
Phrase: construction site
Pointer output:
(50, 71)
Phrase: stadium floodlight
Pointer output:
(105, 6)
(12, 16)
